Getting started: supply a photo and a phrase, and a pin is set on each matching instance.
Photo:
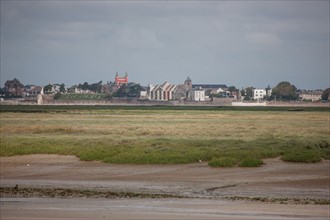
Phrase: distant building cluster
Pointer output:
(14, 88)
(187, 91)
(167, 91)
(310, 95)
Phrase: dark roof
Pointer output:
(209, 86)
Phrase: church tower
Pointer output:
(121, 80)
(188, 83)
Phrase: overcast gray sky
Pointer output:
(240, 43)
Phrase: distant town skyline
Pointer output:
(239, 43)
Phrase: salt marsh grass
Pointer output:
(150, 136)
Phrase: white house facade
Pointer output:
(259, 94)
(196, 95)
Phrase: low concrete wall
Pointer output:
(299, 104)
(248, 103)
(223, 101)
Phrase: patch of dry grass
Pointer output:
(128, 135)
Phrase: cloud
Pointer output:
(260, 38)
(214, 41)
(137, 38)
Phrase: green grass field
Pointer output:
(167, 135)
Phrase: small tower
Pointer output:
(188, 83)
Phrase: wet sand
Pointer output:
(36, 208)
(210, 190)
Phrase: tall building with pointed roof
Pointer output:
(121, 80)
(188, 83)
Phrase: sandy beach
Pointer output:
(276, 190)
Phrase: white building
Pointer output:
(259, 94)
(196, 95)
(37, 90)
(216, 91)
(143, 95)
(82, 91)
(56, 88)
(269, 92)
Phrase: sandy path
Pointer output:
(209, 186)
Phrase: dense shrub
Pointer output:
(304, 156)
(251, 162)
(57, 95)
(223, 162)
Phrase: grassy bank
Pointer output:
(78, 97)
(166, 135)
(67, 108)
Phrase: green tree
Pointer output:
(232, 89)
(326, 94)
(57, 95)
(84, 86)
(48, 88)
(129, 90)
(96, 87)
(284, 91)
(247, 93)
(62, 88)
